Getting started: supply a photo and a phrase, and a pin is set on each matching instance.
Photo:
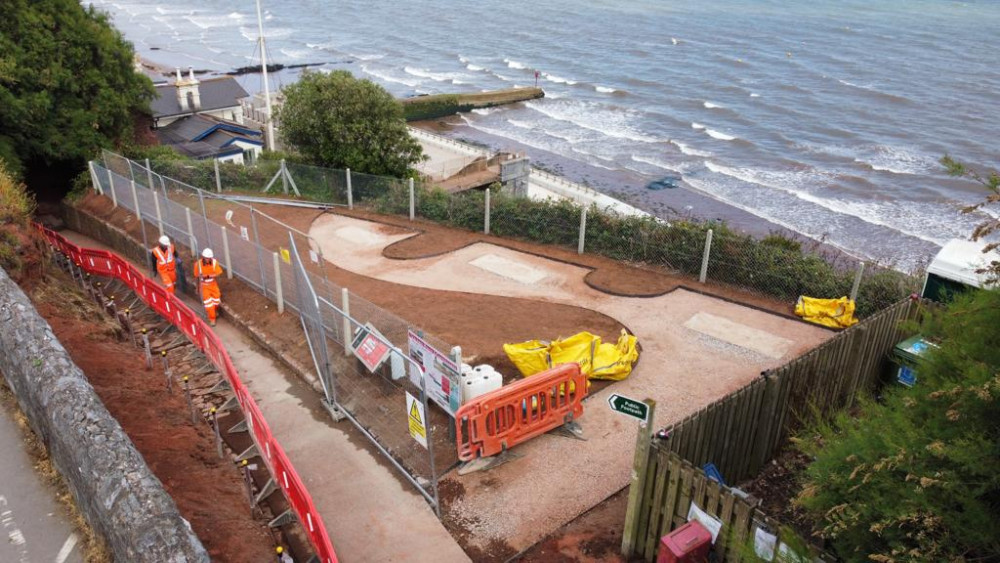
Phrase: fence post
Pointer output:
(345, 306)
(284, 177)
(704, 258)
(204, 216)
(93, 178)
(857, 281)
(159, 214)
(225, 254)
(218, 178)
(149, 176)
(138, 213)
(111, 184)
(260, 261)
(413, 200)
(583, 231)
(486, 216)
(277, 283)
(635, 492)
(193, 243)
(350, 192)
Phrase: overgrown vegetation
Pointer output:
(16, 209)
(990, 226)
(67, 84)
(916, 476)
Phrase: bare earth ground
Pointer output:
(208, 490)
(497, 514)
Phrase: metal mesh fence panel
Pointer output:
(556, 223)
(326, 185)
(312, 324)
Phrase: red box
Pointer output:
(688, 544)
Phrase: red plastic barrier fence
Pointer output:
(155, 296)
(516, 413)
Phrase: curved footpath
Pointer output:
(695, 350)
(369, 514)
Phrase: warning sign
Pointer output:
(417, 421)
(285, 255)
(244, 234)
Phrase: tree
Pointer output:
(916, 477)
(338, 121)
(67, 84)
(990, 181)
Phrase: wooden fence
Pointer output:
(742, 431)
(672, 486)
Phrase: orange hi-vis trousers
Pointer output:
(211, 297)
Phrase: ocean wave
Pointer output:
(474, 68)
(515, 64)
(558, 79)
(656, 163)
(591, 116)
(486, 111)
(605, 89)
(689, 150)
(882, 158)
(462, 59)
(236, 16)
(382, 75)
(697, 126)
(754, 95)
(713, 105)
(721, 136)
(294, 53)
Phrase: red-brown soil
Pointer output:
(209, 491)
(593, 537)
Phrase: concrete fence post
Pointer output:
(284, 177)
(149, 176)
(350, 192)
(159, 214)
(704, 258)
(857, 281)
(413, 200)
(260, 260)
(277, 284)
(486, 213)
(218, 177)
(204, 215)
(93, 178)
(345, 306)
(111, 184)
(138, 213)
(193, 243)
(225, 254)
(581, 243)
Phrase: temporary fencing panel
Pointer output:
(516, 413)
(171, 308)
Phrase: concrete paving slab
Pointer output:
(739, 334)
(508, 268)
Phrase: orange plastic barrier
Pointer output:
(516, 413)
(155, 296)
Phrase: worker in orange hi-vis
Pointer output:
(165, 257)
(206, 271)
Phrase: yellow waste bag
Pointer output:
(834, 313)
(597, 360)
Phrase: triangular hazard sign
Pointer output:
(415, 413)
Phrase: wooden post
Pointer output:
(704, 258)
(350, 192)
(857, 281)
(639, 463)
(583, 231)
(345, 306)
(486, 216)
(413, 200)
(225, 254)
(277, 284)
(218, 178)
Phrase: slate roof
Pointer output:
(215, 93)
(201, 136)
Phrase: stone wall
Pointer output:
(112, 485)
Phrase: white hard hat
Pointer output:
(165, 240)
(207, 253)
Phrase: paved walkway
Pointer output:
(33, 525)
(369, 513)
(686, 364)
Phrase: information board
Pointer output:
(369, 348)
(443, 385)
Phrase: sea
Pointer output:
(825, 118)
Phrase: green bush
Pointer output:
(916, 477)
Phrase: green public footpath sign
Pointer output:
(629, 407)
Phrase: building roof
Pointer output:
(959, 259)
(201, 136)
(215, 93)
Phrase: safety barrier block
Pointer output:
(516, 413)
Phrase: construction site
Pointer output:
(393, 459)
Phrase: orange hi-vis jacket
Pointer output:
(165, 261)
(211, 297)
